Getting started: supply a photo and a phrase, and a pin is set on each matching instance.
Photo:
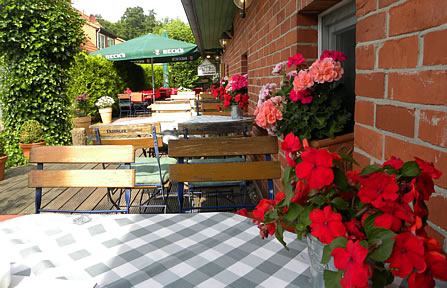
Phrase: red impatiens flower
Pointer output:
(353, 229)
(266, 229)
(428, 168)
(301, 191)
(290, 145)
(263, 206)
(352, 260)
(378, 187)
(408, 254)
(424, 186)
(394, 162)
(242, 212)
(393, 216)
(296, 60)
(326, 224)
(436, 268)
(316, 168)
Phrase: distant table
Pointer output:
(215, 124)
(167, 250)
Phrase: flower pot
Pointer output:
(236, 112)
(3, 160)
(27, 147)
(315, 251)
(83, 122)
(106, 115)
(340, 144)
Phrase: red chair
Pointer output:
(197, 90)
(174, 91)
(157, 93)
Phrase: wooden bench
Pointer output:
(124, 178)
(150, 172)
(227, 171)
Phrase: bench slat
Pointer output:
(125, 130)
(123, 178)
(137, 143)
(224, 171)
(82, 154)
(223, 146)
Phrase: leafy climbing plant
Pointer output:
(38, 41)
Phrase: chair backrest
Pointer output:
(137, 135)
(174, 91)
(111, 178)
(214, 125)
(171, 107)
(225, 146)
(124, 97)
(137, 96)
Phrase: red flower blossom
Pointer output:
(352, 260)
(242, 212)
(353, 177)
(296, 60)
(424, 186)
(353, 229)
(290, 144)
(326, 224)
(263, 206)
(394, 162)
(408, 254)
(335, 55)
(316, 168)
(378, 187)
(427, 167)
(266, 229)
(301, 191)
(303, 95)
(393, 216)
(436, 268)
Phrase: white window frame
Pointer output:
(321, 33)
(101, 41)
(110, 42)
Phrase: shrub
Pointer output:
(2, 145)
(95, 76)
(158, 75)
(132, 74)
(31, 132)
(38, 42)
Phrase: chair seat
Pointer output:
(214, 160)
(146, 170)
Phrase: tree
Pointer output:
(183, 74)
(38, 41)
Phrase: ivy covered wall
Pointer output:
(38, 41)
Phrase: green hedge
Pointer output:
(97, 77)
(38, 41)
(158, 75)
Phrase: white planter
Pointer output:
(106, 115)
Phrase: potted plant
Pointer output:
(104, 105)
(234, 92)
(362, 227)
(3, 157)
(82, 119)
(312, 105)
(30, 135)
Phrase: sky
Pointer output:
(112, 10)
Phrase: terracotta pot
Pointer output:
(106, 115)
(340, 144)
(27, 147)
(83, 122)
(3, 160)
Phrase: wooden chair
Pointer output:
(150, 172)
(206, 104)
(124, 178)
(125, 104)
(222, 171)
(139, 105)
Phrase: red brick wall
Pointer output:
(401, 79)
(401, 89)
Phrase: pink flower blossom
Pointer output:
(303, 81)
(296, 60)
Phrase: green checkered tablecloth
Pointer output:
(169, 250)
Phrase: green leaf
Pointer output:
(293, 213)
(279, 235)
(371, 169)
(318, 199)
(410, 169)
(339, 203)
(382, 237)
(340, 179)
(304, 217)
(347, 157)
(286, 183)
(327, 250)
(332, 279)
(381, 278)
(271, 216)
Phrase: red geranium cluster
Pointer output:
(368, 218)
(232, 91)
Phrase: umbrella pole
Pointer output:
(153, 85)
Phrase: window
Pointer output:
(101, 41)
(110, 41)
(337, 32)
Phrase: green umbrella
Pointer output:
(165, 66)
(152, 49)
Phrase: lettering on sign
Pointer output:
(115, 131)
(173, 51)
(206, 68)
(179, 58)
(116, 56)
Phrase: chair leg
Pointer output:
(180, 196)
(38, 199)
(127, 196)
